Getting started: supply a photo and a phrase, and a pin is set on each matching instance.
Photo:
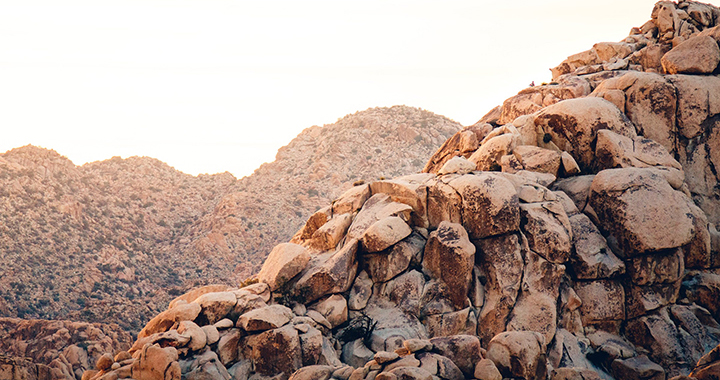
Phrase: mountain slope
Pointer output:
(115, 240)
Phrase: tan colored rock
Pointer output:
(461, 322)
(211, 333)
(356, 354)
(352, 200)
(641, 210)
(697, 55)
(384, 233)
(197, 336)
(444, 203)
(463, 350)
(457, 165)
(313, 372)
(104, 362)
(331, 233)
(501, 260)
(449, 256)
(274, 351)
(410, 190)
(329, 273)
(379, 206)
(699, 253)
(215, 306)
(663, 267)
(227, 348)
(333, 308)
(602, 300)
(486, 370)
(265, 318)
(383, 266)
(573, 125)
(487, 157)
(490, 204)
(616, 151)
(537, 159)
(197, 292)
(284, 262)
(697, 100)
(165, 320)
(519, 354)
(315, 221)
(569, 165)
(155, 363)
(410, 373)
(592, 258)
(548, 230)
(577, 188)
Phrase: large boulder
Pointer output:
(330, 273)
(641, 210)
(449, 257)
(573, 124)
(548, 230)
(697, 55)
(283, 263)
(519, 354)
(501, 261)
(273, 352)
(490, 204)
(592, 258)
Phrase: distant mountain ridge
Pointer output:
(115, 240)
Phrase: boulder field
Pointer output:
(569, 234)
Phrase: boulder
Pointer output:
(198, 338)
(490, 204)
(351, 200)
(641, 210)
(573, 125)
(227, 348)
(659, 268)
(591, 258)
(156, 363)
(444, 203)
(265, 318)
(501, 261)
(548, 230)
(602, 301)
(486, 370)
(383, 266)
(519, 354)
(463, 350)
(452, 323)
(696, 55)
(449, 256)
(406, 291)
(637, 368)
(356, 354)
(327, 274)
(273, 352)
(410, 190)
(331, 233)
(333, 308)
(165, 320)
(536, 306)
(537, 159)
(457, 165)
(215, 306)
(487, 157)
(577, 188)
(360, 292)
(313, 372)
(283, 263)
(384, 233)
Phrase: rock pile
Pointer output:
(55, 349)
(570, 234)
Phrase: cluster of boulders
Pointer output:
(56, 349)
(570, 234)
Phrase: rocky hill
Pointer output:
(113, 241)
(570, 234)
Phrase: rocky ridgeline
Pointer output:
(570, 234)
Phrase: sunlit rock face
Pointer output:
(570, 233)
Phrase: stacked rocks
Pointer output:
(568, 235)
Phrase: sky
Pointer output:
(209, 86)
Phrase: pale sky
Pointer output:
(217, 85)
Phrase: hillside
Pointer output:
(113, 241)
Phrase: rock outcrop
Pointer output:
(582, 244)
(565, 236)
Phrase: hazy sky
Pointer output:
(213, 85)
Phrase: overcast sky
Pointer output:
(215, 85)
